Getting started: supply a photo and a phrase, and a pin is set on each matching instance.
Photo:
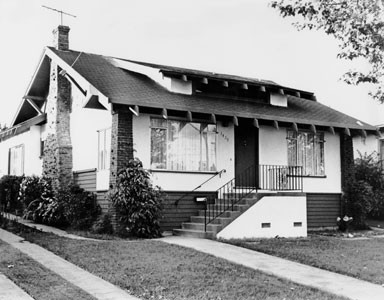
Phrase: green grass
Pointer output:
(152, 269)
(363, 259)
(35, 279)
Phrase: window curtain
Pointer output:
(183, 146)
(306, 149)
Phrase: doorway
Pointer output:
(246, 154)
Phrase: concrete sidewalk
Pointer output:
(88, 282)
(10, 291)
(302, 274)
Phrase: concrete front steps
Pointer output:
(196, 226)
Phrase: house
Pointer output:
(262, 158)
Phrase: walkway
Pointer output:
(10, 291)
(88, 282)
(320, 279)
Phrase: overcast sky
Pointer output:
(241, 37)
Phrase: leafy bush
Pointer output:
(9, 192)
(44, 208)
(137, 202)
(364, 195)
(31, 188)
(103, 225)
(80, 207)
(70, 206)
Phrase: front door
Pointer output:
(246, 154)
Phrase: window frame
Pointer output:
(321, 158)
(103, 160)
(167, 164)
(10, 161)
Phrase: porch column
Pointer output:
(121, 141)
(346, 162)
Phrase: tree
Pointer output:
(357, 24)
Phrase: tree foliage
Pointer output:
(358, 25)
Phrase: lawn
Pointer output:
(37, 281)
(151, 269)
(359, 258)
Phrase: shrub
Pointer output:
(70, 206)
(80, 207)
(9, 192)
(103, 225)
(31, 188)
(137, 202)
(364, 195)
(45, 208)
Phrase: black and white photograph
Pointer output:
(192, 150)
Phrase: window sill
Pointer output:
(308, 176)
(183, 172)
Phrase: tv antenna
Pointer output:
(60, 12)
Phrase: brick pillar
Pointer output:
(121, 149)
(57, 161)
(121, 141)
(347, 162)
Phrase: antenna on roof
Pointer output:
(60, 12)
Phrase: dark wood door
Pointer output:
(246, 154)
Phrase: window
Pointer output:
(104, 148)
(183, 146)
(16, 160)
(306, 149)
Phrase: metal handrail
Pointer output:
(199, 186)
(262, 177)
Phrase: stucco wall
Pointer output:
(84, 125)
(266, 220)
(184, 181)
(366, 145)
(273, 151)
(31, 141)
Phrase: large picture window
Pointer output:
(306, 149)
(16, 160)
(183, 146)
(104, 149)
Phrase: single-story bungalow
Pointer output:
(236, 156)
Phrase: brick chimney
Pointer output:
(57, 160)
(61, 37)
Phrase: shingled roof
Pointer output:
(130, 88)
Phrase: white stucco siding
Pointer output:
(31, 141)
(364, 146)
(271, 216)
(273, 146)
(273, 150)
(331, 183)
(185, 181)
(84, 124)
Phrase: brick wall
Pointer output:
(121, 141)
(347, 162)
(121, 147)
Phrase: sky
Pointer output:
(239, 37)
